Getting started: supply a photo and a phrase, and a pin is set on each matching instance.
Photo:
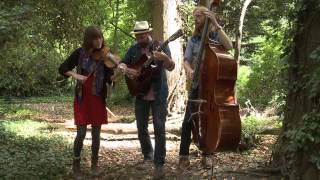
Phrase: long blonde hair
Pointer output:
(201, 9)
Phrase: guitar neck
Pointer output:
(163, 46)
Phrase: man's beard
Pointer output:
(199, 27)
(143, 44)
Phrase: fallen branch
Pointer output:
(110, 112)
(168, 137)
(124, 128)
(262, 172)
(270, 131)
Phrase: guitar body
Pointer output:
(142, 83)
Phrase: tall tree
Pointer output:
(297, 149)
(239, 34)
(115, 22)
(166, 20)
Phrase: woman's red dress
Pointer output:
(91, 109)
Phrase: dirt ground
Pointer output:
(120, 154)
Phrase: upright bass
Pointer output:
(211, 103)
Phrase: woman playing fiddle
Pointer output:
(92, 74)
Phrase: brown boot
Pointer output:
(206, 162)
(145, 164)
(159, 172)
(184, 162)
(77, 174)
(95, 170)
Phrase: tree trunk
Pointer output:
(205, 3)
(239, 34)
(165, 21)
(115, 22)
(297, 145)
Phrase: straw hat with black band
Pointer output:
(141, 27)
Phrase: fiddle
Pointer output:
(109, 59)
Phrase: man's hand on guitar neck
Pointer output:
(131, 73)
(160, 56)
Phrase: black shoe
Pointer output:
(145, 165)
(159, 172)
(206, 162)
(77, 173)
(184, 162)
(95, 169)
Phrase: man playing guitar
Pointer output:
(155, 98)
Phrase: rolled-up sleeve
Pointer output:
(188, 52)
(128, 56)
(70, 63)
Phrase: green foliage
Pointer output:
(127, 119)
(306, 138)
(263, 86)
(13, 111)
(258, 13)
(185, 11)
(15, 108)
(252, 126)
(129, 12)
(12, 19)
(120, 93)
(301, 141)
(40, 99)
(315, 158)
(314, 81)
(36, 36)
(29, 70)
(242, 81)
(30, 151)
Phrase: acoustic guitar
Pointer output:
(147, 69)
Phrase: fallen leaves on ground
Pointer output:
(119, 159)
